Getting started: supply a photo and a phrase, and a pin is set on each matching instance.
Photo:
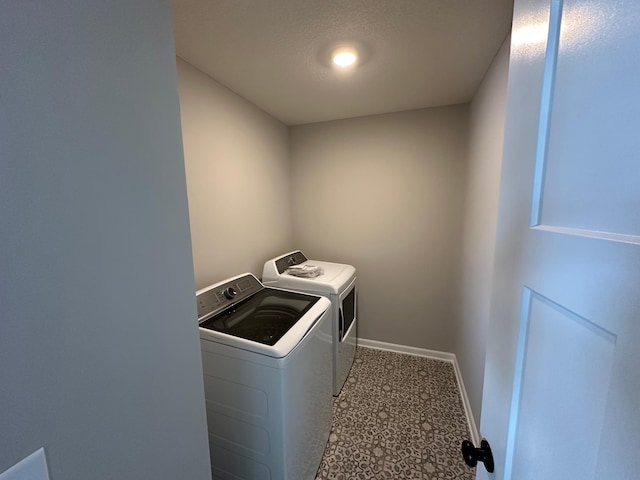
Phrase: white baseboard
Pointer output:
(436, 355)
(473, 428)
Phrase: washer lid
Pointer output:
(270, 321)
(264, 317)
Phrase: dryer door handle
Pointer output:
(340, 325)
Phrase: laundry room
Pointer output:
(466, 193)
(408, 197)
(136, 178)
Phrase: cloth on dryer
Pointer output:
(305, 271)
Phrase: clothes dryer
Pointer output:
(337, 282)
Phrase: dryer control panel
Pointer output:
(295, 258)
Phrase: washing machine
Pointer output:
(337, 282)
(268, 385)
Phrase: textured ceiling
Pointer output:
(275, 53)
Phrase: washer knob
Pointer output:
(230, 292)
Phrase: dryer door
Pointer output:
(345, 346)
(347, 315)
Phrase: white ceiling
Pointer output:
(275, 53)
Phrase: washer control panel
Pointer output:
(223, 295)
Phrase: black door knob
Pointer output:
(473, 455)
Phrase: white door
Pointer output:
(562, 378)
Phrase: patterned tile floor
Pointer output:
(398, 417)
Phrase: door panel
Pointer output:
(561, 358)
(562, 388)
(591, 195)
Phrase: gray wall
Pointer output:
(486, 125)
(385, 193)
(99, 349)
(238, 179)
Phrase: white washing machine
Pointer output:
(338, 283)
(268, 385)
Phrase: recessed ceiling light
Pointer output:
(345, 57)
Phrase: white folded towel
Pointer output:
(305, 271)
